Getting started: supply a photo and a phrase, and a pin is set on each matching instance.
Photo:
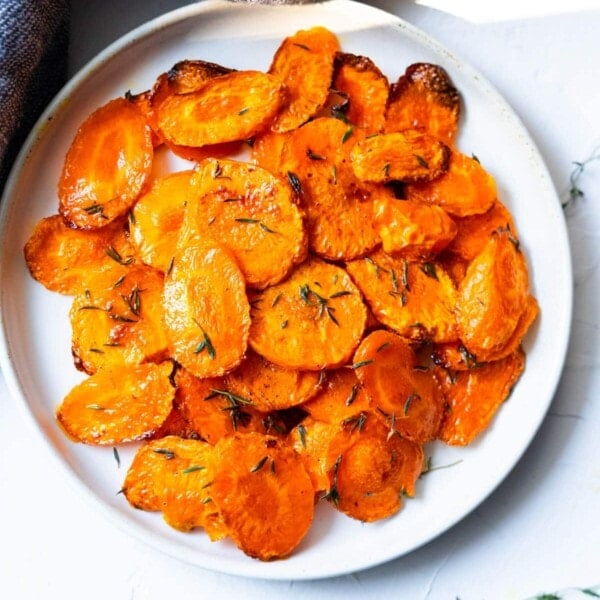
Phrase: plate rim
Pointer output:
(195, 10)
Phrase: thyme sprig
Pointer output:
(575, 190)
(312, 298)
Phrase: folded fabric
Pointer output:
(33, 67)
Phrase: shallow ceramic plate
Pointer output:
(35, 349)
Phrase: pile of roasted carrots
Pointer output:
(331, 285)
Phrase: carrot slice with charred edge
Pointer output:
(465, 189)
(120, 324)
(203, 117)
(401, 389)
(474, 396)
(205, 308)
(270, 387)
(157, 217)
(312, 320)
(339, 208)
(424, 98)
(403, 156)
(117, 405)
(492, 297)
(304, 63)
(251, 212)
(365, 91)
(184, 77)
(415, 299)
(211, 408)
(411, 229)
(341, 397)
(106, 166)
(372, 470)
(171, 475)
(475, 231)
(263, 493)
(60, 257)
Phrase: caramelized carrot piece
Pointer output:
(475, 231)
(176, 424)
(403, 156)
(117, 405)
(171, 475)
(372, 471)
(312, 320)
(231, 107)
(206, 311)
(341, 397)
(311, 439)
(157, 217)
(267, 149)
(263, 493)
(304, 63)
(465, 189)
(120, 324)
(68, 260)
(401, 389)
(474, 396)
(211, 408)
(411, 229)
(424, 98)
(415, 299)
(106, 166)
(270, 387)
(492, 297)
(339, 208)
(365, 90)
(250, 211)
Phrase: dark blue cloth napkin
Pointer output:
(33, 67)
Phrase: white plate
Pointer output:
(35, 353)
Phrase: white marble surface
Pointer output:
(539, 532)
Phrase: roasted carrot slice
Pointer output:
(267, 149)
(399, 386)
(424, 98)
(312, 439)
(211, 408)
(364, 90)
(492, 297)
(157, 217)
(474, 396)
(121, 404)
(475, 231)
(106, 166)
(372, 471)
(231, 107)
(465, 189)
(338, 206)
(68, 260)
(206, 311)
(341, 397)
(304, 63)
(415, 299)
(263, 493)
(176, 424)
(171, 475)
(312, 320)
(403, 156)
(250, 211)
(120, 324)
(270, 387)
(412, 229)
